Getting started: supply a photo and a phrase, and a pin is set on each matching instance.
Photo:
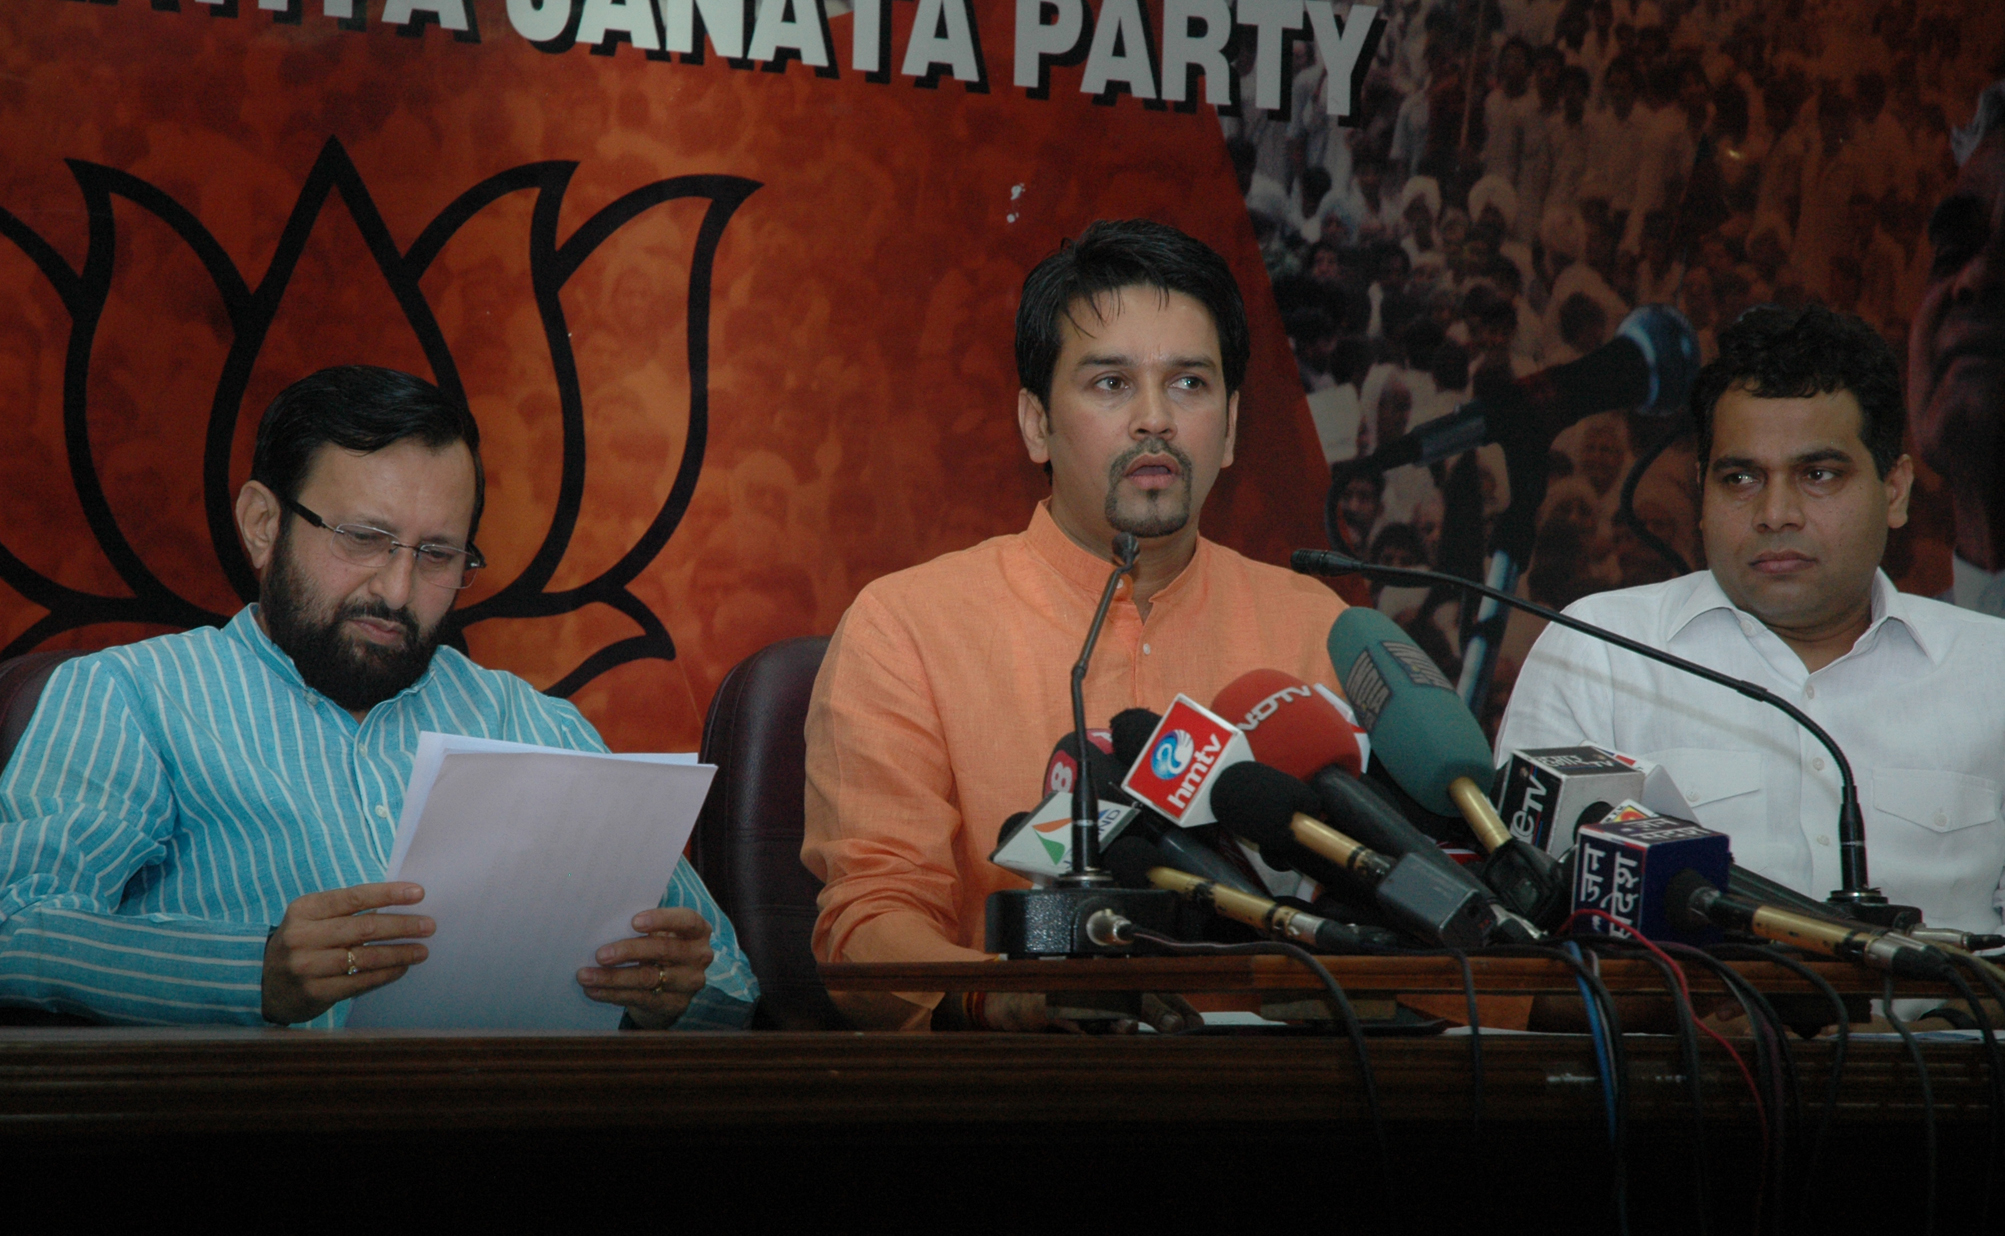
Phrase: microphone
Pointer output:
(1061, 771)
(1435, 750)
(1071, 919)
(1549, 793)
(1694, 901)
(1649, 366)
(1085, 804)
(1662, 877)
(1856, 897)
(1037, 844)
(1313, 733)
(1182, 848)
(1136, 863)
(1180, 760)
(1273, 811)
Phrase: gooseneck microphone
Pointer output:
(1857, 897)
(1085, 801)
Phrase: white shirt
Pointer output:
(1915, 706)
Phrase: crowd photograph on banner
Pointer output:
(1522, 174)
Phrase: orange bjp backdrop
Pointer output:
(739, 340)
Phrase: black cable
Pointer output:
(1843, 1045)
(1993, 1068)
(1617, 1094)
(1475, 1049)
(1927, 1099)
(1278, 948)
(1771, 1052)
(1688, 1054)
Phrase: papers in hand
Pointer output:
(531, 858)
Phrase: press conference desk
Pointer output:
(756, 1129)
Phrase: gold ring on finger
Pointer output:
(660, 979)
(351, 961)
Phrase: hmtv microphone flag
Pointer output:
(1181, 761)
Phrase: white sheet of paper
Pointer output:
(531, 858)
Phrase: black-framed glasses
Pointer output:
(444, 566)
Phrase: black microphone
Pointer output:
(1275, 812)
(1137, 864)
(1649, 365)
(1085, 803)
(1693, 902)
(1856, 898)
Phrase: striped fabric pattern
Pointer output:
(170, 798)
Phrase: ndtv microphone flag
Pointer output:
(1181, 761)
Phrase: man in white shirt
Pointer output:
(1800, 424)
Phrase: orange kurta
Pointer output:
(943, 692)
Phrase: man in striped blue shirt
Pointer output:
(195, 828)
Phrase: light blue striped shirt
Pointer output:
(170, 798)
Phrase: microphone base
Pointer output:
(1868, 905)
(1052, 922)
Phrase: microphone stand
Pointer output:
(1086, 869)
(1856, 898)
(1083, 914)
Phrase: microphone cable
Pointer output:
(1832, 1086)
(1599, 1035)
(1342, 1002)
(1775, 1065)
(1992, 1068)
(1927, 1100)
(1675, 982)
(1615, 1084)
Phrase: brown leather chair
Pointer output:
(21, 681)
(747, 844)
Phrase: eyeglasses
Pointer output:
(445, 566)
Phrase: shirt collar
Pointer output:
(1889, 604)
(1088, 572)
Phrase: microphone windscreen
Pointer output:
(1131, 729)
(1128, 859)
(1061, 771)
(1420, 729)
(1289, 724)
(1258, 803)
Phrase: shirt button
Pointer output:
(1145, 650)
(382, 812)
(1817, 764)
(1823, 841)
(1941, 819)
(1809, 692)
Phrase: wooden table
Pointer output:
(835, 1132)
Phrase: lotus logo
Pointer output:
(1172, 755)
(249, 305)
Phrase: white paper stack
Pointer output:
(531, 858)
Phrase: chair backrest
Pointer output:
(21, 681)
(747, 844)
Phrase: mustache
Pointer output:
(379, 612)
(1148, 446)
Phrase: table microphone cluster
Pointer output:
(1258, 815)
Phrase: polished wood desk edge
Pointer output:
(91, 1082)
(1376, 976)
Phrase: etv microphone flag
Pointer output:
(1181, 761)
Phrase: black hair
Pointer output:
(359, 408)
(1122, 253)
(1777, 353)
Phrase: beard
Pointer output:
(1149, 512)
(354, 674)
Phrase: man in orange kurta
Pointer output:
(946, 685)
